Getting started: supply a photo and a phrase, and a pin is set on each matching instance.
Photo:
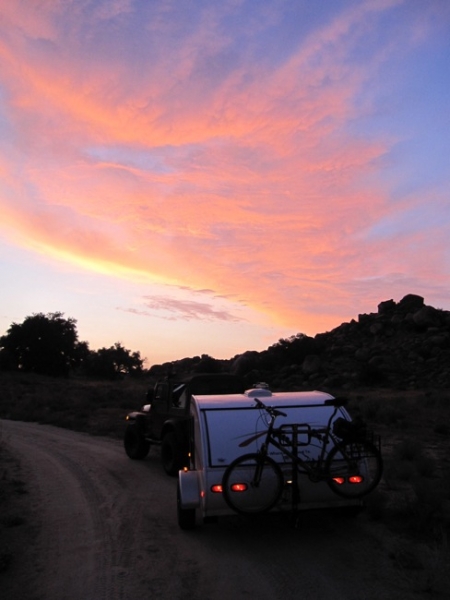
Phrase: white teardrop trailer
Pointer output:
(225, 427)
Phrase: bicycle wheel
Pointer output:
(252, 484)
(353, 468)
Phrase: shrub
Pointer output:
(375, 504)
(397, 472)
(424, 568)
(426, 466)
(442, 428)
(408, 449)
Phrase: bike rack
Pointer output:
(294, 434)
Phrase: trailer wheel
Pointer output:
(186, 516)
(171, 454)
(136, 446)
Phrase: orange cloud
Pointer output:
(253, 183)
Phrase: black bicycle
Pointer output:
(346, 459)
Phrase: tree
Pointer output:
(114, 362)
(289, 351)
(207, 364)
(45, 344)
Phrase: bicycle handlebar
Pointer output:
(273, 412)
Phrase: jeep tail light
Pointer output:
(239, 487)
(217, 488)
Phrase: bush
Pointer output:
(424, 568)
(442, 428)
(408, 449)
(375, 504)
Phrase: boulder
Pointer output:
(311, 364)
(411, 303)
(386, 307)
(426, 317)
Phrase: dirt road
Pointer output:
(107, 530)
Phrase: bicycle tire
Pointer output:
(255, 499)
(354, 469)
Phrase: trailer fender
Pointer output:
(189, 487)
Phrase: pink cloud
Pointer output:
(167, 307)
(248, 184)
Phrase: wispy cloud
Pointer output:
(207, 149)
(167, 307)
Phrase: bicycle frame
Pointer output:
(315, 470)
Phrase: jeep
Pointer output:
(164, 420)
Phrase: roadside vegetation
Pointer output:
(413, 500)
(93, 406)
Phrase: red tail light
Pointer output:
(351, 479)
(356, 479)
(339, 480)
(239, 487)
(217, 488)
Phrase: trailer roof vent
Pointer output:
(258, 390)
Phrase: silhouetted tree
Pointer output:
(289, 351)
(207, 364)
(114, 362)
(45, 344)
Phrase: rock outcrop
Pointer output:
(402, 345)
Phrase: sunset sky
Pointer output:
(203, 177)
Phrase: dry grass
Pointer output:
(416, 453)
(96, 407)
(413, 499)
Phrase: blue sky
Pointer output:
(203, 177)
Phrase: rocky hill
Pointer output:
(404, 345)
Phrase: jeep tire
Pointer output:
(171, 454)
(136, 446)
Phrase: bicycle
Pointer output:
(348, 461)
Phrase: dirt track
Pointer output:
(107, 530)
